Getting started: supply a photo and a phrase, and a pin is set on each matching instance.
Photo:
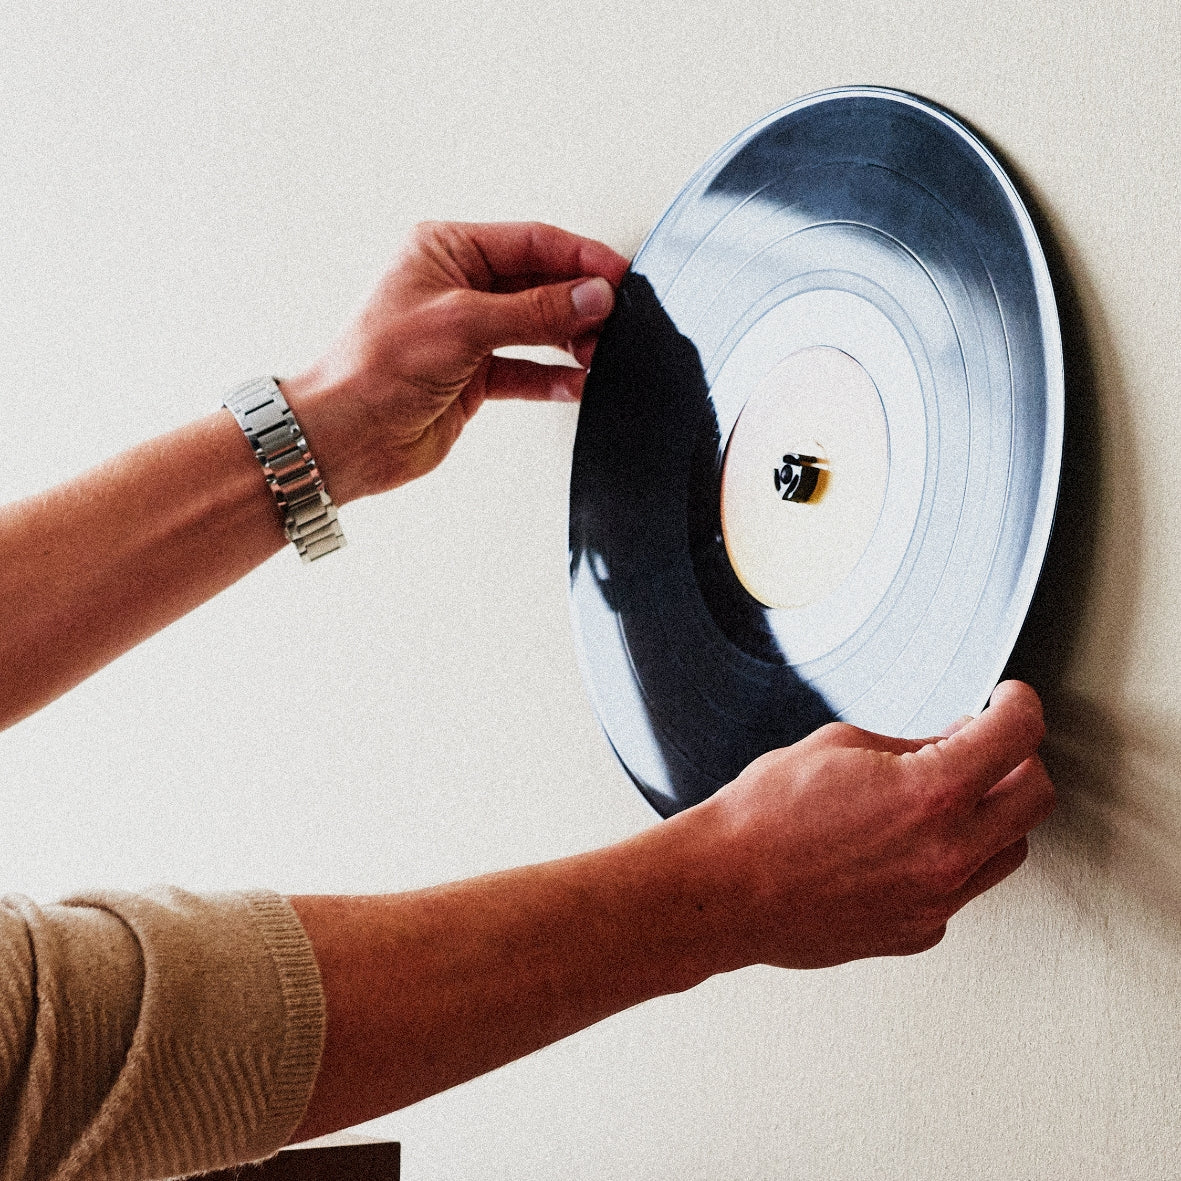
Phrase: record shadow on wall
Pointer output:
(1050, 634)
(1119, 813)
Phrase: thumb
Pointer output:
(554, 314)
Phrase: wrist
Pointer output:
(694, 913)
(335, 436)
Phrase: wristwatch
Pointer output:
(309, 516)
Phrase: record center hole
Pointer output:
(804, 477)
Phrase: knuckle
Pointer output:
(546, 313)
(441, 331)
(449, 247)
(451, 313)
(425, 234)
(942, 872)
(941, 794)
(840, 734)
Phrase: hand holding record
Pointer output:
(389, 399)
(850, 844)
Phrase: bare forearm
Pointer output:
(94, 566)
(846, 845)
(428, 989)
(89, 569)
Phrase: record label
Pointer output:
(804, 478)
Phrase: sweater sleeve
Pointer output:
(152, 1035)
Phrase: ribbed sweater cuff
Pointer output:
(303, 1002)
(214, 1044)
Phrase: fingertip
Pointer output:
(1014, 688)
(509, 377)
(1022, 706)
(593, 299)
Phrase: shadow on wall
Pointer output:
(1119, 811)
(1054, 624)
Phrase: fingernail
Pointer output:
(593, 299)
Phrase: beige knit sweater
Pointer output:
(152, 1035)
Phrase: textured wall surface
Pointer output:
(193, 194)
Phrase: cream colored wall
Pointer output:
(197, 193)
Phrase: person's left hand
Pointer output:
(390, 397)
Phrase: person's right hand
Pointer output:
(841, 846)
(848, 844)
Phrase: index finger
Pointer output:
(980, 754)
(543, 253)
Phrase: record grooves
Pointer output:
(848, 302)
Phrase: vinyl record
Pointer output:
(818, 451)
